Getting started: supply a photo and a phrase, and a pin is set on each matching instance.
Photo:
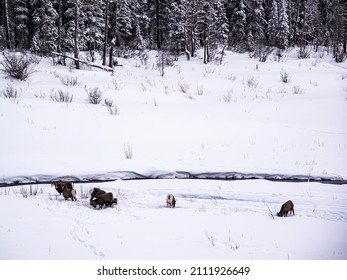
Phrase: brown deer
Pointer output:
(69, 193)
(286, 208)
(61, 185)
(106, 199)
(170, 201)
(95, 192)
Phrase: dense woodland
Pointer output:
(117, 27)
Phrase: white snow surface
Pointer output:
(237, 119)
(212, 220)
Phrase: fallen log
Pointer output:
(102, 67)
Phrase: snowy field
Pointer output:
(212, 220)
(237, 119)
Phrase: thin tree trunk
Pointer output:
(110, 61)
(105, 34)
(206, 54)
(60, 20)
(158, 25)
(7, 24)
(77, 62)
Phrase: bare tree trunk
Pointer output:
(158, 25)
(193, 30)
(206, 54)
(77, 62)
(105, 34)
(185, 44)
(222, 54)
(110, 61)
(60, 9)
(7, 24)
(344, 23)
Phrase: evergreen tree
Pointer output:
(238, 25)
(273, 24)
(178, 24)
(278, 25)
(158, 13)
(91, 26)
(283, 25)
(206, 20)
(59, 8)
(192, 27)
(255, 25)
(69, 25)
(22, 20)
(120, 22)
(340, 31)
(212, 26)
(301, 17)
(45, 31)
(324, 23)
(140, 24)
(222, 25)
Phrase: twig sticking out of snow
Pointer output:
(270, 212)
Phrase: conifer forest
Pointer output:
(118, 27)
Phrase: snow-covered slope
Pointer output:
(234, 117)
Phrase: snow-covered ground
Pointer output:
(212, 220)
(213, 120)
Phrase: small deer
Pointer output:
(286, 208)
(170, 201)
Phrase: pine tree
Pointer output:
(140, 24)
(178, 24)
(21, 19)
(59, 9)
(120, 22)
(273, 24)
(301, 17)
(91, 26)
(45, 30)
(222, 25)
(206, 18)
(212, 26)
(278, 25)
(283, 25)
(340, 31)
(192, 27)
(69, 25)
(158, 11)
(255, 25)
(238, 25)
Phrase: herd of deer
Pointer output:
(101, 198)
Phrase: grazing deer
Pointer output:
(106, 199)
(286, 208)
